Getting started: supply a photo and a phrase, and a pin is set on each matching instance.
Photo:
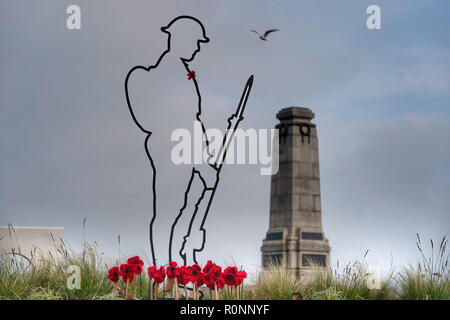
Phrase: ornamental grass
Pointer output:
(102, 279)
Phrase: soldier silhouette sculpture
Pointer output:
(186, 190)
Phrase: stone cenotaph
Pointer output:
(295, 238)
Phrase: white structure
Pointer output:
(34, 243)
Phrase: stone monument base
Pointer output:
(302, 252)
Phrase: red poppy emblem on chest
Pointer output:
(191, 75)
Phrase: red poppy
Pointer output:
(200, 279)
(232, 270)
(215, 271)
(214, 279)
(183, 278)
(241, 275)
(230, 276)
(230, 279)
(138, 269)
(220, 282)
(194, 273)
(137, 262)
(209, 280)
(127, 272)
(208, 266)
(173, 270)
(191, 75)
(158, 275)
(114, 273)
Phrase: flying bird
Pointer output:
(264, 37)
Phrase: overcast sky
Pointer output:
(69, 150)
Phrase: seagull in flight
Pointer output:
(264, 37)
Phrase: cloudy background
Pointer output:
(69, 150)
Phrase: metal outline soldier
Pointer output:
(215, 162)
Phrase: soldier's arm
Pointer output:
(138, 108)
(207, 139)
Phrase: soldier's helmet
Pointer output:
(186, 26)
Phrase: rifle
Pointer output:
(233, 123)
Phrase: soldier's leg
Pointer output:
(194, 234)
(153, 200)
(168, 193)
(195, 237)
(194, 193)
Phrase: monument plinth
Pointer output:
(295, 237)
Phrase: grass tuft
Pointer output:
(429, 280)
(272, 283)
